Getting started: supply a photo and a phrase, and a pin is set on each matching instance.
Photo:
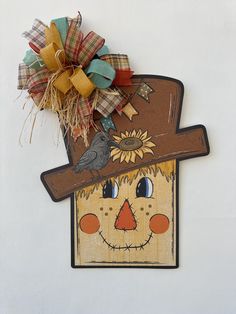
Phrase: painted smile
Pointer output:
(126, 247)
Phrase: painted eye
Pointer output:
(103, 138)
(144, 188)
(110, 190)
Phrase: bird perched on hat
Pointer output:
(97, 155)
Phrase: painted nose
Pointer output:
(125, 219)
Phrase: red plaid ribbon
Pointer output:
(37, 34)
(38, 82)
(73, 41)
(90, 45)
(77, 19)
(84, 106)
(120, 63)
(24, 73)
(107, 102)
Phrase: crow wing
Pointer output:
(85, 160)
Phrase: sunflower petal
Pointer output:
(133, 157)
(128, 156)
(117, 156)
(122, 157)
(117, 138)
(147, 139)
(143, 136)
(147, 150)
(115, 151)
(149, 144)
(133, 133)
(139, 152)
(139, 133)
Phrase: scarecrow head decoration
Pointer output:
(123, 186)
(123, 142)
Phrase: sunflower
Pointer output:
(131, 144)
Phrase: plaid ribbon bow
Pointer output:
(78, 51)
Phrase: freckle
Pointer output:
(147, 213)
(101, 208)
(106, 214)
(110, 208)
(149, 205)
(141, 208)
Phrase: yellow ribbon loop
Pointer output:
(48, 54)
(52, 35)
(63, 83)
(53, 55)
(82, 83)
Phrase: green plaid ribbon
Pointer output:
(90, 45)
(73, 41)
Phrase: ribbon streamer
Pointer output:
(107, 123)
(129, 111)
(144, 91)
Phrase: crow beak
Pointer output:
(113, 144)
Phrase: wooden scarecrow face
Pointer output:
(128, 220)
(123, 186)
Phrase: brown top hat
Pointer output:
(157, 101)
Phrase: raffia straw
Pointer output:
(95, 100)
(52, 95)
(59, 53)
(23, 126)
(109, 91)
(32, 127)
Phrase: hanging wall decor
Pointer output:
(123, 143)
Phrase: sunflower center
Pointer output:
(130, 143)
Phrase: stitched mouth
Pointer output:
(126, 247)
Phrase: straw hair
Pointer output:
(167, 169)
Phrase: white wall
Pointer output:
(194, 41)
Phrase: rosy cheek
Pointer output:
(89, 223)
(159, 223)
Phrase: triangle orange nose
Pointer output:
(125, 219)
